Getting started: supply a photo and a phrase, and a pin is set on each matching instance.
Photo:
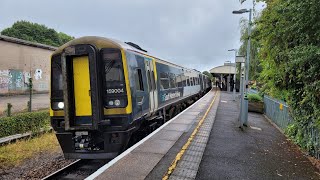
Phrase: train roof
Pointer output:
(101, 42)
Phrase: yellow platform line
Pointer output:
(186, 145)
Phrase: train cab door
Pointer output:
(152, 87)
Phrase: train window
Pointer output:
(179, 80)
(191, 81)
(113, 68)
(164, 81)
(173, 83)
(56, 77)
(138, 80)
(149, 81)
(188, 80)
(183, 79)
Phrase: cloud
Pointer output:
(195, 34)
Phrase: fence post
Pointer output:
(9, 106)
(30, 95)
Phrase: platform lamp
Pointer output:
(244, 117)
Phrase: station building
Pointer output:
(225, 76)
(21, 60)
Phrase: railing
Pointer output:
(278, 112)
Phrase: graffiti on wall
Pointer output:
(14, 80)
(5, 79)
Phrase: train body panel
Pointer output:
(103, 91)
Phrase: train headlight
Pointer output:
(61, 105)
(117, 102)
(57, 105)
(110, 103)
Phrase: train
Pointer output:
(104, 91)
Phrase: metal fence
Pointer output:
(277, 111)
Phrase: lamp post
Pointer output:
(234, 75)
(244, 113)
(229, 75)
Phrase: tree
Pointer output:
(208, 74)
(288, 33)
(36, 33)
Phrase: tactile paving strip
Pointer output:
(188, 166)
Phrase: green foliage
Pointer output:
(288, 34)
(208, 74)
(24, 122)
(254, 68)
(254, 98)
(36, 33)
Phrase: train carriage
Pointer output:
(103, 91)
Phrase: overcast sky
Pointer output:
(191, 33)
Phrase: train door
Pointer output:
(153, 94)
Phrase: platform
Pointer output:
(205, 142)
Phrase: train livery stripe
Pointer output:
(155, 69)
(81, 81)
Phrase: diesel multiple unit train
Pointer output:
(103, 91)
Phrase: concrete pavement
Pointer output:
(258, 152)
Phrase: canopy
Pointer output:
(227, 68)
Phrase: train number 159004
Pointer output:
(115, 91)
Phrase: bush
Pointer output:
(254, 98)
(24, 122)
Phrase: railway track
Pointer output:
(80, 169)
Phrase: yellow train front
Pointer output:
(102, 91)
(90, 99)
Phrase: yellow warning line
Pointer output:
(186, 145)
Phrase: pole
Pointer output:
(247, 71)
(30, 95)
(234, 76)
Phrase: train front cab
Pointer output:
(90, 101)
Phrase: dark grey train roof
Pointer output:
(101, 42)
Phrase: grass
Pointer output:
(14, 154)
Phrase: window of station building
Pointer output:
(164, 81)
(138, 80)
(173, 83)
(188, 80)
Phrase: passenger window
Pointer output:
(191, 81)
(172, 81)
(188, 80)
(179, 80)
(149, 81)
(164, 81)
(138, 80)
(153, 80)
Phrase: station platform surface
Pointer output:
(205, 142)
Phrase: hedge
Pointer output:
(24, 122)
(254, 98)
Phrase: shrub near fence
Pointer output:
(24, 122)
